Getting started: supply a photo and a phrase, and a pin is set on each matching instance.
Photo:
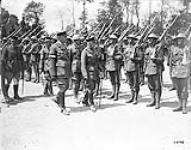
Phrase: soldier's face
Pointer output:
(62, 39)
(181, 42)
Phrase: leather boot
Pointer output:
(15, 89)
(113, 91)
(116, 97)
(157, 103)
(152, 103)
(132, 97)
(5, 93)
(46, 90)
(184, 103)
(179, 108)
(136, 98)
(96, 91)
(50, 89)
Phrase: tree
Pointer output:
(33, 11)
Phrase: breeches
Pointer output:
(154, 83)
(114, 77)
(134, 80)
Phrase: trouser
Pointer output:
(115, 82)
(154, 84)
(89, 90)
(76, 83)
(63, 85)
(47, 83)
(36, 70)
(134, 81)
(28, 70)
(181, 85)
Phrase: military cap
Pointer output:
(154, 36)
(180, 36)
(113, 37)
(62, 33)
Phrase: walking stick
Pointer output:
(100, 92)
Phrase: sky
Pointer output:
(55, 8)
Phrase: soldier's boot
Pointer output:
(184, 103)
(157, 103)
(152, 103)
(117, 92)
(85, 99)
(179, 108)
(16, 95)
(113, 91)
(135, 101)
(5, 94)
(45, 92)
(77, 100)
(62, 105)
(50, 89)
(132, 97)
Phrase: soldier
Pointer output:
(75, 55)
(180, 70)
(132, 66)
(26, 44)
(44, 67)
(60, 68)
(153, 63)
(89, 68)
(35, 57)
(12, 67)
(113, 58)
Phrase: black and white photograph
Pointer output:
(95, 74)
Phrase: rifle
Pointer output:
(101, 31)
(14, 32)
(29, 33)
(163, 35)
(129, 28)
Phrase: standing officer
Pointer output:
(154, 61)
(113, 58)
(181, 70)
(44, 67)
(132, 66)
(89, 68)
(12, 67)
(75, 53)
(60, 68)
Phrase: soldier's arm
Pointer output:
(52, 61)
(83, 65)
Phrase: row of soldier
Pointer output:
(84, 62)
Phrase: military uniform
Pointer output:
(180, 64)
(12, 67)
(89, 68)
(153, 65)
(113, 62)
(60, 69)
(132, 69)
(35, 57)
(75, 56)
(44, 68)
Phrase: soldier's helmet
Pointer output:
(132, 37)
(61, 33)
(76, 37)
(113, 37)
(153, 36)
(34, 38)
(179, 36)
(90, 38)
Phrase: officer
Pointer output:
(75, 55)
(35, 57)
(12, 67)
(153, 63)
(44, 67)
(132, 66)
(113, 58)
(60, 68)
(181, 70)
(89, 69)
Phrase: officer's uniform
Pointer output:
(113, 62)
(75, 56)
(132, 68)
(44, 67)
(180, 72)
(12, 67)
(89, 68)
(153, 67)
(60, 68)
